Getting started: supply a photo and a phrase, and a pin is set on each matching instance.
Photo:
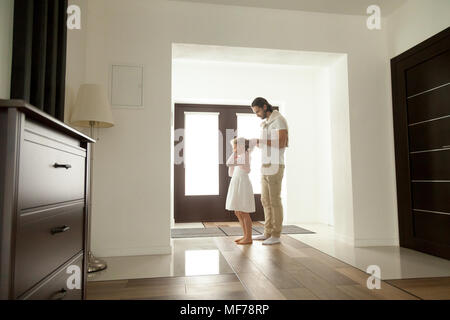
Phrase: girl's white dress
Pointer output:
(240, 191)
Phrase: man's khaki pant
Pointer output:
(271, 202)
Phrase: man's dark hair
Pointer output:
(260, 102)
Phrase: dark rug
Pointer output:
(229, 231)
(196, 232)
(236, 231)
(286, 230)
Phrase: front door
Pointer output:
(421, 97)
(201, 180)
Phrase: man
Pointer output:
(274, 140)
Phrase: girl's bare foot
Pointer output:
(245, 241)
(238, 239)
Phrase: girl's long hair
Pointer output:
(249, 145)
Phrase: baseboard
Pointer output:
(346, 239)
(140, 251)
(385, 242)
(377, 242)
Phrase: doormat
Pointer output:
(196, 232)
(236, 231)
(229, 231)
(286, 230)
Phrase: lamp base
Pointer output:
(95, 264)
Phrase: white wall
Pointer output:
(6, 36)
(303, 96)
(340, 152)
(415, 22)
(323, 136)
(132, 169)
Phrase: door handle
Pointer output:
(60, 229)
(57, 165)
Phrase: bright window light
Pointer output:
(201, 153)
(248, 126)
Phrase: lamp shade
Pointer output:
(92, 106)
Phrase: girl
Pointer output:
(240, 196)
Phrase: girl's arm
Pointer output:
(240, 160)
(232, 160)
(230, 164)
(243, 160)
(246, 165)
(230, 171)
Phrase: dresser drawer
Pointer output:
(46, 239)
(65, 284)
(43, 179)
(39, 129)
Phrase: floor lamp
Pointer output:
(92, 110)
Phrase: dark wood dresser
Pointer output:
(44, 188)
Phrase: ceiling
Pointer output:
(194, 52)
(351, 7)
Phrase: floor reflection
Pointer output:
(190, 256)
(201, 262)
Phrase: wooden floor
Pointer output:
(290, 270)
(209, 287)
(427, 289)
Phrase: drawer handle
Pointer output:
(57, 165)
(59, 295)
(60, 229)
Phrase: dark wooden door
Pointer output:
(209, 206)
(421, 109)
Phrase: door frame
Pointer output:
(179, 170)
(433, 46)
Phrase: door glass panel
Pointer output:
(248, 126)
(201, 153)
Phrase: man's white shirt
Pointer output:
(270, 128)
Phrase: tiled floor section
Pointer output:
(394, 262)
(290, 270)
